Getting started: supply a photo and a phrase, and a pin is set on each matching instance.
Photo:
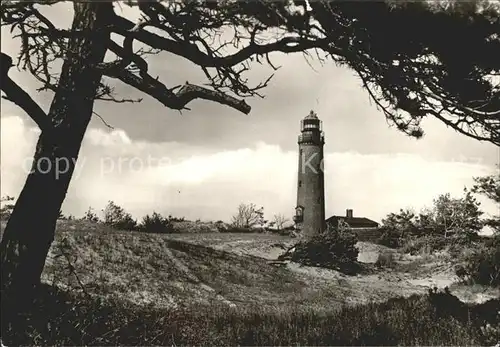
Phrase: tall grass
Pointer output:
(434, 319)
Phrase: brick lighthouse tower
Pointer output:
(310, 211)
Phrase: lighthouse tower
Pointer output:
(310, 211)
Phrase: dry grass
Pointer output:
(213, 289)
(176, 269)
(436, 319)
(151, 268)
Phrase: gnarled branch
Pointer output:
(174, 100)
(17, 95)
(191, 52)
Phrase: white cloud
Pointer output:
(17, 147)
(183, 180)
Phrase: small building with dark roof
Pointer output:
(353, 222)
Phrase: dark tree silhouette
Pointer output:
(489, 186)
(415, 59)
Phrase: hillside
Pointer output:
(113, 288)
(232, 269)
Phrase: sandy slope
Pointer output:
(230, 269)
(415, 274)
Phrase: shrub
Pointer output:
(385, 259)
(448, 216)
(6, 211)
(221, 226)
(90, 216)
(389, 237)
(116, 217)
(334, 249)
(289, 231)
(176, 219)
(7, 208)
(156, 223)
(482, 266)
(61, 215)
(401, 223)
(489, 186)
(426, 244)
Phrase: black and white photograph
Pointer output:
(250, 173)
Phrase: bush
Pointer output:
(156, 223)
(426, 244)
(389, 238)
(116, 217)
(176, 219)
(434, 243)
(6, 211)
(385, 259)
(448, 216)
(7, 208)
(221, 226)
(90, 216)
(334, 249)
(483, 265)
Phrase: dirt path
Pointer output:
(426, 272)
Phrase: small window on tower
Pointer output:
(300, 183)
(299, 211)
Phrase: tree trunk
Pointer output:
(30, 229)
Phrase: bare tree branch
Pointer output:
(191, 52)
(174, 100)
(121, 100)
(102, 120)
(17, 95)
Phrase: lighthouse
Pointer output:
(310, 210)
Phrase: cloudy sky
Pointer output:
(204, 162)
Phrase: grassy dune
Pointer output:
(105, 287)
(155, 269)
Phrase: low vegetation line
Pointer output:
(433, 319)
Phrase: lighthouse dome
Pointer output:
(311, 115)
